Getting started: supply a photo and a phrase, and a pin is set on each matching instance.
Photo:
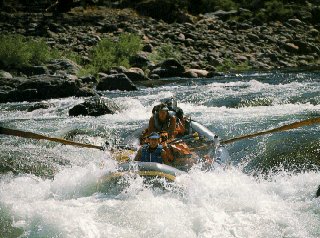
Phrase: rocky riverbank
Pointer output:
(208, 44)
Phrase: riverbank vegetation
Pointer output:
(108, 53)
(17, 51)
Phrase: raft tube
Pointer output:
(145, 169)
(221, 154)
(202, 130)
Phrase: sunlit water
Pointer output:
(64, 199)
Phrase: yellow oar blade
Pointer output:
(31, 135)
(291, 126)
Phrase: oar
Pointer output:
(25, 134)
(291, 126)
(287, 127)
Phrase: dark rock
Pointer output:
(243, 26)
(96, 106)
(12, 82)
(154, 76)
(172, 63)
(65, 65)
(136, 74)
(304, 47)
(116, 82)
(318, 192)
(290, 47)
(3, 96)
(35, 70)
(313, 32)
(51, 87)
(85, 92)
(88, 79)
(253, 37)
(212, 74)
(22, 95)
(40, 105)
(295, 22)
(39, 88)
(140, 60)
(147, 48)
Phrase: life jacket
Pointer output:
(154, 156)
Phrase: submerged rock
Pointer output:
(40, 105)
(96, 106)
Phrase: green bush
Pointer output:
(276, 10)
(165, 51)
(229, 65)
(108, 53)
(17, 51)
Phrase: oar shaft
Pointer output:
(291, 126)
(25, 134)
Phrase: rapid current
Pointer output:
(50, 190)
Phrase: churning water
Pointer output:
(50, 190)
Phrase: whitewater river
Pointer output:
(50, 190)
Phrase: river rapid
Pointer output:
(50, 190)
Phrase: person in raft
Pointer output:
(162, 120)
(154, 151)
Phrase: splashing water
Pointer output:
(59, 196)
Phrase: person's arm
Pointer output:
(151, 127)
(172, 127)
(166, 155)
(138, 155)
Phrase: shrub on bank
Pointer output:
(163, 52)
(229, 65)
(17, 51)
(108, 53)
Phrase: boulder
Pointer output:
(21, 95)
(35, 70)
(41, 87)
(5, 75)
(196, 73)
(116, 82)
(140, 60)
(169, 68)
(51, 87)
(96, 106)
(65, 65)
(40, 105)
(136, 74)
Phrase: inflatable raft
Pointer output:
(207, 146)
